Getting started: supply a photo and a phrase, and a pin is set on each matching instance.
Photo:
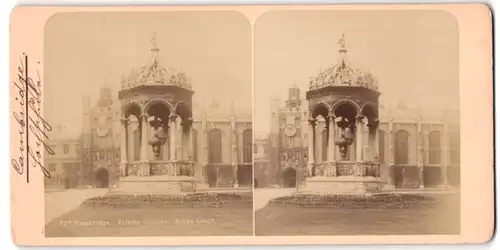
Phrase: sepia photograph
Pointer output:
(251, 125)
(357, 123)
(151, 116)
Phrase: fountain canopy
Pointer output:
(343, 74)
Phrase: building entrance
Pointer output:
(289, 178)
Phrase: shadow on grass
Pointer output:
(157, 215)
(388, 214)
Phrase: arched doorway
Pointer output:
(289, 178)
(102, 178)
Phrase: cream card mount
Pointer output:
(251, 125)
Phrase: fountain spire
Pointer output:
(342, 50)
(154, 48)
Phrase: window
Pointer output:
(435, 147)
(401, 147)
(52, 167)
(195, 144)
(381, 146)
(215, 148)
(77, 148)
(66, 149)
(255, 149)
(247, 146)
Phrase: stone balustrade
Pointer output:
(168, 168)
(347, 168)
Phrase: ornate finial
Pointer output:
(231, 106)
(154, 48)
(154, 45)
(342, 47)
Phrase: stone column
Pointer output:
(359, 138)
(331, 138)
(233, 153)
(444, 155)
(144, 145)
(367, 140)
(420, 157)
(375, 141)
(180, 139)
(311, 135)
(123, 148)
(173, 133)
(390, 140)
(190, 139)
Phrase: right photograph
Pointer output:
(356, 123)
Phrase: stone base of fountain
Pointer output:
(347, 185)
(162, 184)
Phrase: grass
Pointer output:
(376, 215)
(135, 216)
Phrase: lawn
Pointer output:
(132, 216)
(382, 215)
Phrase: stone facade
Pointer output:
(428, 141)
(64, 165)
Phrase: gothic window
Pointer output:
(215, 148)
(401, 147)
(247, 146)
(381, 146)
(435, 147)
(194, 137)
(324, 145)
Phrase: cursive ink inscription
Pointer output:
(31, 124)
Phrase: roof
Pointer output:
(343, 74)
(154, 73)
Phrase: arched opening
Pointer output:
(401, 139)
(289, 178)
(102, 178)
(324, 145)
(184, 111)
(320, 109)
(134, 138)
(158, 112)
(132, 108)
(370, 112)
(345, 113)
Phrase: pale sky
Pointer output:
(83, 50)
(413, 54)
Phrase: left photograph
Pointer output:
(152, 124)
